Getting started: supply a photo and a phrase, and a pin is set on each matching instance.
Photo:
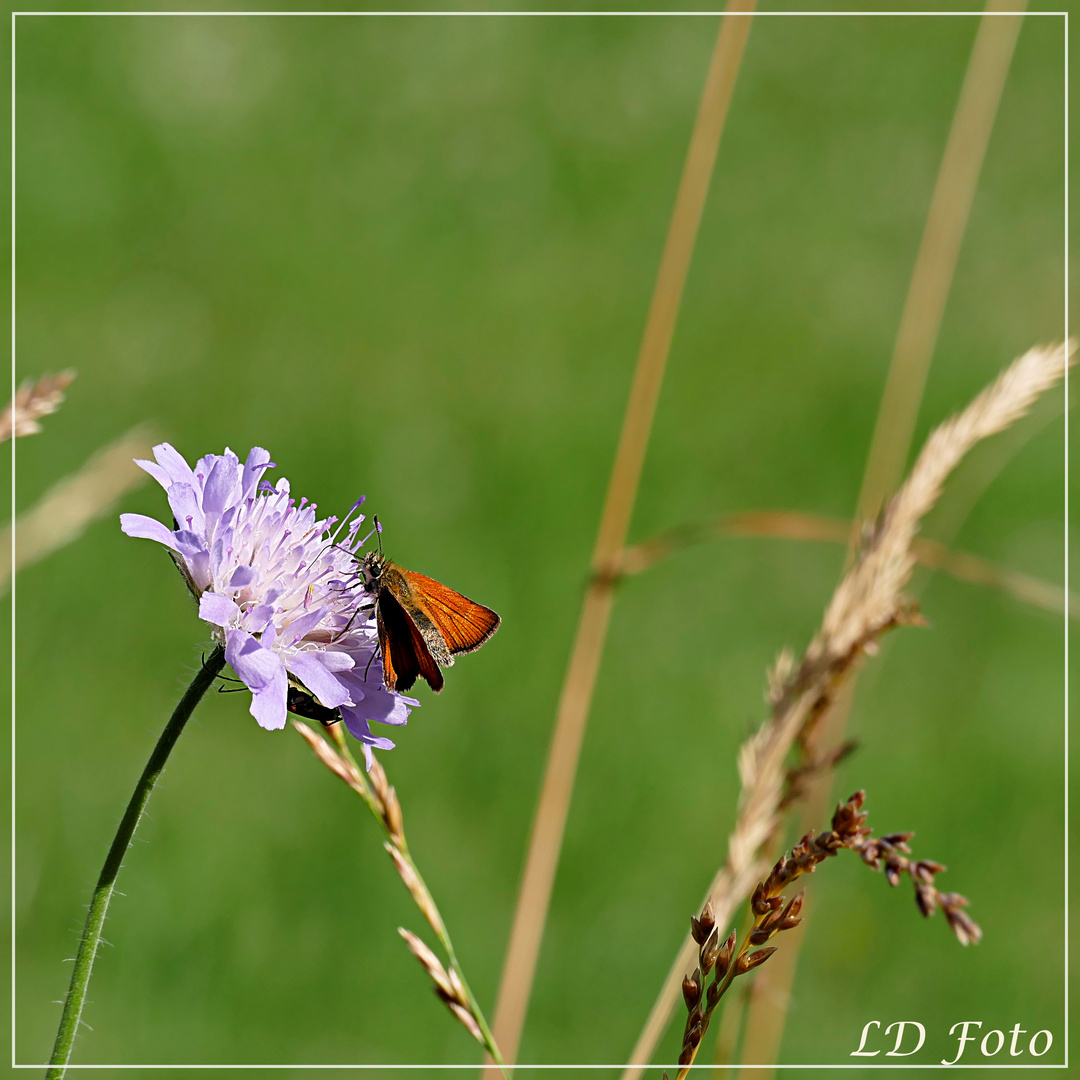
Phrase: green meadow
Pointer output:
(412, 257)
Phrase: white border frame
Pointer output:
(547, 14)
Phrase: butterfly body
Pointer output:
(422, 624)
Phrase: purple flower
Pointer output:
(277, 585)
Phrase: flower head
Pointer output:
(278, 584)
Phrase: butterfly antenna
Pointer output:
(378, 531)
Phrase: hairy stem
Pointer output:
(106, 883)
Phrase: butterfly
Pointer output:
(422, 624)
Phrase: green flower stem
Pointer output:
(99, 904)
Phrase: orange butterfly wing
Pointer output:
(463, 624)
(405, 654)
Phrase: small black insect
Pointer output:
(303, 704)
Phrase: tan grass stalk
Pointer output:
(920, 322)
(66, 509)
(791, 525)
(31, 402)
(381, 799)
(534, 895)
(935, 263)
(867, 603)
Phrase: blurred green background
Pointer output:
(412, 257)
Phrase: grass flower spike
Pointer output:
(277, 584)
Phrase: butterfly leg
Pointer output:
(230, 689)
(369, 663)
(348, 626)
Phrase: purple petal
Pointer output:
(360, 729)
(263, 673)
(258, 461)
(173, 463)
(198, 565)
(219, 487)
(333, 660)
(242, 577)
(388, 708)
(256, 666)
(217, 609)
(256, 618)
(296, 630)
(228, 516)
(330, 691)
(375, 702)
(155, 470)
(184, 504)
(221, 555)
(148, 528)
(268, 703)
(190, 544)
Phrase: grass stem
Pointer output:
(924, 308)
(381, 799)
(560, 772)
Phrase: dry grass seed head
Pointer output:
(31, 402)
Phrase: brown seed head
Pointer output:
(758, 902)
(749, 961)
(468, 1021)
(899, 840)
(794, 905)
(458, 985)
(949, 900)
(392, 816)
(926, 898)
(707, 919)
(32, 401)
(691, 990)
(967, 931)
(724, 959)
(379, 784)
(925, 869)
(430, 962)
(710, 951)
(695, 1029)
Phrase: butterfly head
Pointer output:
(371, 570)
